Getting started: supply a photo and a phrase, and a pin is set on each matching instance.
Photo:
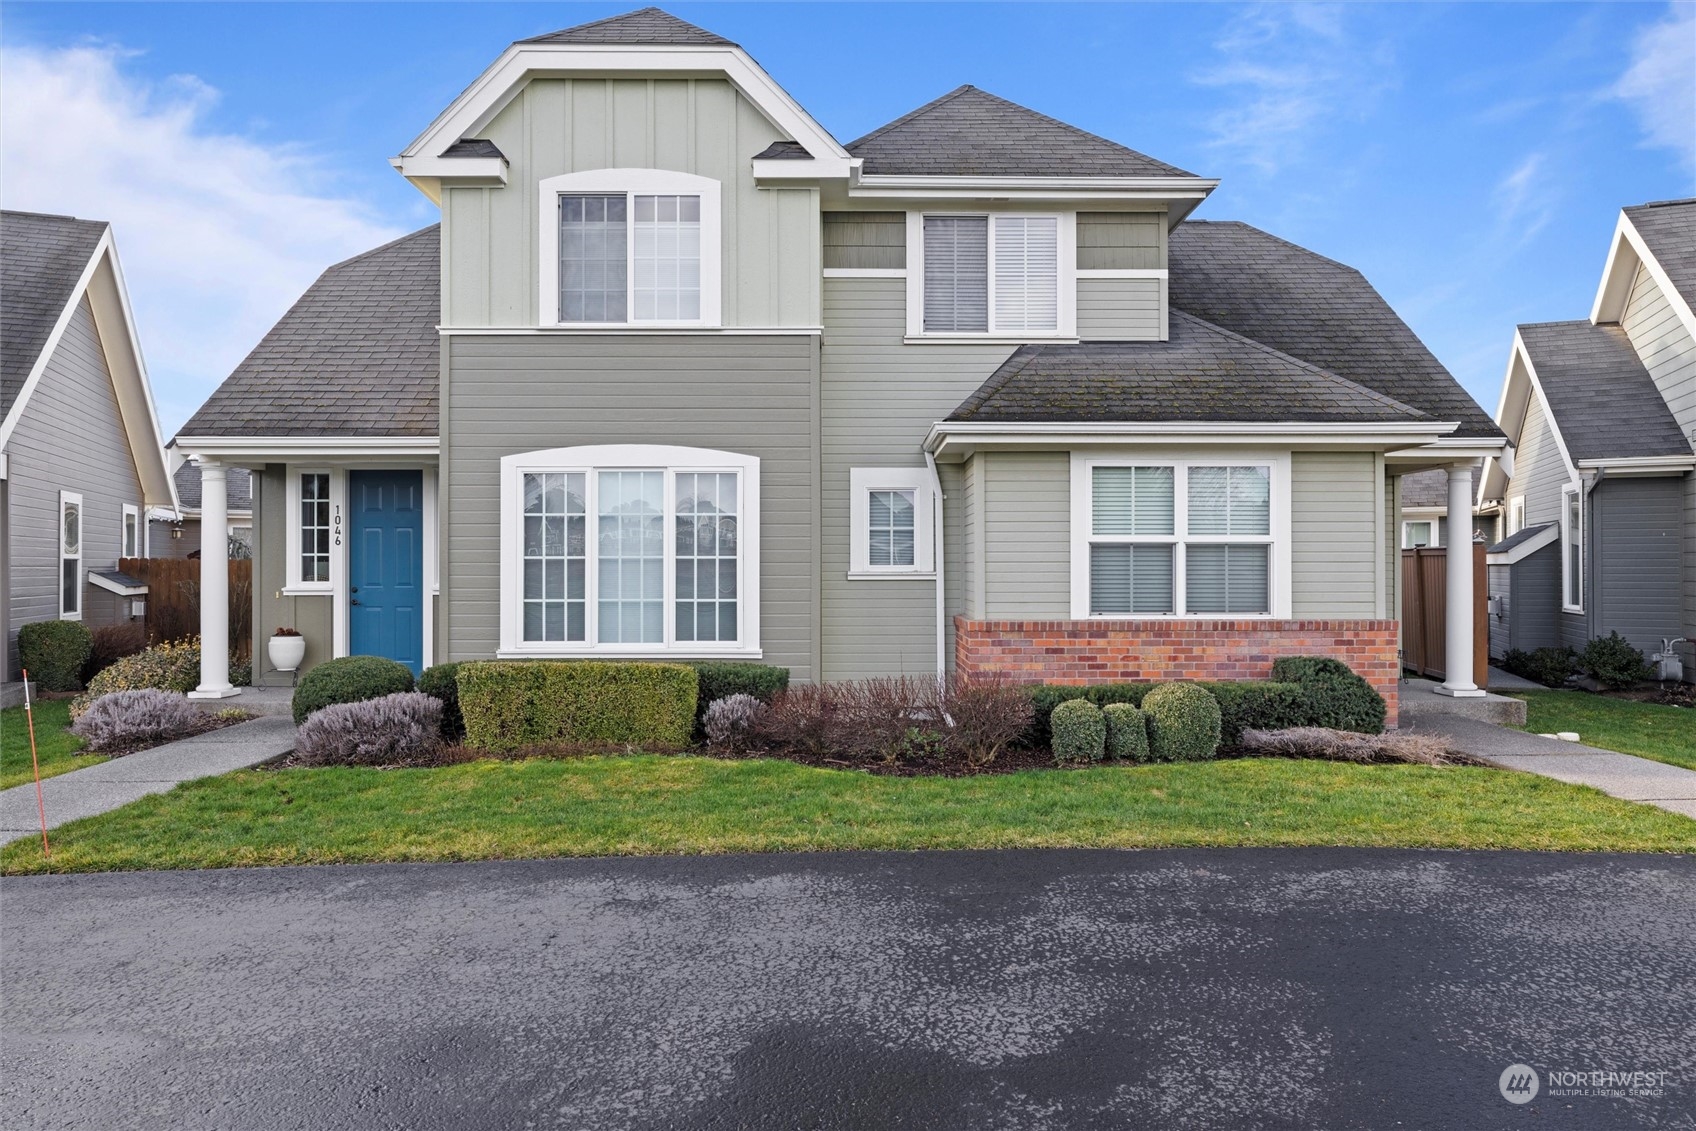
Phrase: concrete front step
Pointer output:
(1419, 701)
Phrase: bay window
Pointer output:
(625, 247)
(993, 274)
(1178, 537)
(619, 549)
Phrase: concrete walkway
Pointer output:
(99, 789)
(1625, 776)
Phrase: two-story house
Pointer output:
(1600, 496)
(679, 375)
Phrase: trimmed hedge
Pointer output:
(441, 682)
(1183, 723)
(510, 705)
(1551, 667)
(1254, 705)
(351, 679)
(1047, 696)
(53, 653)
(1333, 694)
(1080, 731)
(720, 679)
(1127, 733)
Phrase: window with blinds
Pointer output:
(1179, 538)
(998, 274)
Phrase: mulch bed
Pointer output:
(1662, 694)
(205, 724)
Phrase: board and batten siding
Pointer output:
(490, 242)
(312, 613)
(1665, 345)
(1119, 310)
(70, 437)
(747, 393)
(1539, 471)
(878, 399)
(865, 240)
(1637, 572)
(1335, 528)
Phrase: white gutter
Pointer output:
(1640, 463)
(937, 539)
(305, 447)
(1399, 432)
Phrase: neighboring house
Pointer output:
(80, 454)
(178, 534)
(680, 376)
(1425, 521)
(1600, 494)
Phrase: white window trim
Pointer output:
(293, 586)
(1279, 558)
(631, 182)
(1066, 280)
(862, 481)
(67, 498)
(1436, 541)
(594, 458)
(1516, 515)
(1568, 605)
(130, 510)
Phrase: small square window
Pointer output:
(890, 510)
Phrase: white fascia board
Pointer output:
(1372, 436)
(1640, 464)
(1170, 190)
(1548, 412)
(1615, 286)
(787, 170)
(470, 171)
(263, 449)
(113, 587)
(1627, 232)
(1544, 537)
(490, 93)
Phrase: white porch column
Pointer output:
(1457, 662)
(214, 585)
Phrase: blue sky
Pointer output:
(1469, 158)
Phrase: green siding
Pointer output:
(1119, 310)
(1334, 497)
(313, 615)
(1121, 240)
(865, 240)
(1027, 502)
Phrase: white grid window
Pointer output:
(893, 522)
(706, 564)
(667, 259)
(593, 253)
(315, 527)
(890, 528)
(555, 557)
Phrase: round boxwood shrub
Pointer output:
(1079, 731)
(1127, 732)
(1183, 723)
(351, 679)
(442, 683)
(53, 652)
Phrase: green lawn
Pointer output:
(654, 804)
(55, 744)
(1666, 734)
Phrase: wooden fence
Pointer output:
(173, 599)
(1425, 575)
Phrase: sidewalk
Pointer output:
(98, 789)
(1625, 776)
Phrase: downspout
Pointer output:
(941, 578)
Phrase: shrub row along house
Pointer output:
(81, 457)
(1599, 497)
(680, 376)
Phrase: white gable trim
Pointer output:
(470, 113)
(102, 281)
(1516, 396)
(1544, 537)
(1625, 254)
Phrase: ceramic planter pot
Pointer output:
(286, 652)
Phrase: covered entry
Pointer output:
(386, 566)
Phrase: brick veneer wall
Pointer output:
(1109, 651)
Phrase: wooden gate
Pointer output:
(173, 599)
(1425, 606)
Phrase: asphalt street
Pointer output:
(1314, 988)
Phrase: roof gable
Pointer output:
(970, 132)
(646, 27)
(42, 259)
(1668, 229)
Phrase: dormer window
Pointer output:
(630, 247)
(993, 275)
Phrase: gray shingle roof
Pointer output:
(1201, 373)
(238, 486)
(1314, 308)
(969, 132)
(1669, 228)
(646, 26)
(473, 147)
(357, 355)
(1431, 488)
(41, 259)
(1515, 540)
(1603, 400)
(783, 151)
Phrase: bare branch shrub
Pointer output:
(985, 715)
(1347, 746)
(130, 719)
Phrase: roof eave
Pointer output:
(964, 436)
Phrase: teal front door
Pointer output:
(386, 565)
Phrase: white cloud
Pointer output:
(1524, 200)
(1296, 68)
(219, 234)
(1661, 82)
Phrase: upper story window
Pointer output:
(630, 247)
(996, 274)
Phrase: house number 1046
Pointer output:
(336, 524)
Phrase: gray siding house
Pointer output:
(177, 534)
(81, 460)
(1599, 496)
(680, 375)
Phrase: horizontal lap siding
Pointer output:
(70, 437)
(1539, 471)
(751, 394)
(1664, 343)
(879, 399)
(1027, 534)
(1334, 497)
(1638, 571)
(1119, 310)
